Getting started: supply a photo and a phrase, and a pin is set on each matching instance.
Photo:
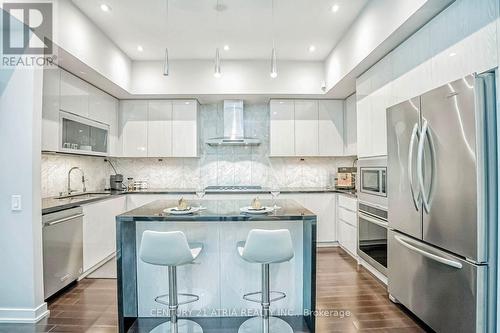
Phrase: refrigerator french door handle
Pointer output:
(414, 135)
(431, 256)
(425, 134)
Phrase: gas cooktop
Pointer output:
(233, 188)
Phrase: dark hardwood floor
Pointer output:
(351, 299)
(360, 299)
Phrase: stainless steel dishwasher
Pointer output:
(62, 249)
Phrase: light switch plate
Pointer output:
(16, 204)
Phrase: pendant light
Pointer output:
(274, 69)
(165, 64)
(166, 67)
(217, 70)
(274, 66)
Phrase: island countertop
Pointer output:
(218, 210)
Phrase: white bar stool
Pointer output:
(266, 247)
(171, 249)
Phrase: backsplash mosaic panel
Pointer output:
(216, 166)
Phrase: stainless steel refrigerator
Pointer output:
(441, 205)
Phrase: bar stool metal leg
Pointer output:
(265, 323)
(175, 325)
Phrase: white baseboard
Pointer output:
(24, 315)
(96, 266)
(327, 244)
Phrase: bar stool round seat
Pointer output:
(266, 247)
(171, 249)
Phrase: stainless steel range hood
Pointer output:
(234, 129)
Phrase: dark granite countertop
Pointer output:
(218, 210)
(53, 204)
(259, 191)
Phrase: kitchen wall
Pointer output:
(459, 41)
(216, 165)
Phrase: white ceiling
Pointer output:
(194, 31)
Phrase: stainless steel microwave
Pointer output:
(80, 135)
(372, 180)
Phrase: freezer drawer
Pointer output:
(445, 292)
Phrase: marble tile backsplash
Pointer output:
(55, 173)
(216, 165)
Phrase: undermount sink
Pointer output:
(84, 195)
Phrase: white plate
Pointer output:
(250, 210)
(174, 211)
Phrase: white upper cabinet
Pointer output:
(74, 94)
(364, 127)
(134, 128)
(185, 128)
(350, 135)
(306, 128)
(282, 135)
(111, 118)
(62, 91)
(331, 128)
(50, 109)
(378, 115)
(371, 125)
(160, 129)
(99, 103)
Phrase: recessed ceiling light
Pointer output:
(452, 54)
(140, 48)
(226, 47)
(312, 48)
(105, 8)
(335, 8)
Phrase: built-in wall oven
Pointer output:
(372, 235)
(372, 212)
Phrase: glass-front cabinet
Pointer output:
(83, 136)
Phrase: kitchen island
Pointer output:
(219, 276)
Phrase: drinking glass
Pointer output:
(275, 192)
(200, 193)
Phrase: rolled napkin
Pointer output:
(183, 204)
(256, 204)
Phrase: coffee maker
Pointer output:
(116, 182)
(346, 178)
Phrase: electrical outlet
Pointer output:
(16, 204)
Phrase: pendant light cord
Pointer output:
(166, 35)
(272, 21)
(217, 10)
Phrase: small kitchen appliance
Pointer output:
(346, 178)
(116, 182)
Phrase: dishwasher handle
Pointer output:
(48, 224)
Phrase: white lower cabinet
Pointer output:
(347, 237)
(99, 230)
(323, 205)
(347, 224)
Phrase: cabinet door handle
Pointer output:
(48, 224)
